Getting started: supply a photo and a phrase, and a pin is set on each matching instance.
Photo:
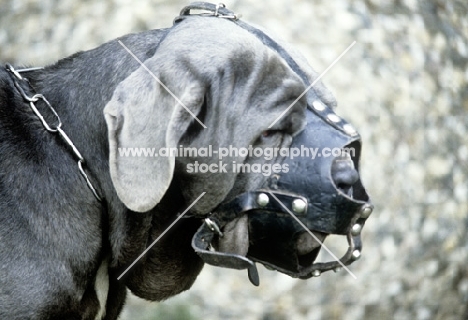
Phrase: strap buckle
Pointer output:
(213, 226)
(219, 10)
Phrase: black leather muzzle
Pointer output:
(310, 200)
(306, 199)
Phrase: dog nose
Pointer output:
(344, 174)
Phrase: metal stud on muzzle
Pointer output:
(283, 224)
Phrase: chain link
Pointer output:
(56, 128)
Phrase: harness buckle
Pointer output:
(216, 13)
(219, 10)
(234, 16)
(213, 226)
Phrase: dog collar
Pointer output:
(52, 128)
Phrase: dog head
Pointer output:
(232, 89)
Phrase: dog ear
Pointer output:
(144, 118)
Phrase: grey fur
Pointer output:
(54, 235)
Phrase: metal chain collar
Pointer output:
(56, 128)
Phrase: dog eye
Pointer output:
(270, 133)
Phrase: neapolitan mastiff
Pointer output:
(68, 231)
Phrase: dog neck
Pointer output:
(78, 88)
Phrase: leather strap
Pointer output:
(201, 244)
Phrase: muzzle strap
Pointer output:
(201, 244)
(243, 203)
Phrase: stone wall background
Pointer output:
(403, 85)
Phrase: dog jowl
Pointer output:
(73, 235)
